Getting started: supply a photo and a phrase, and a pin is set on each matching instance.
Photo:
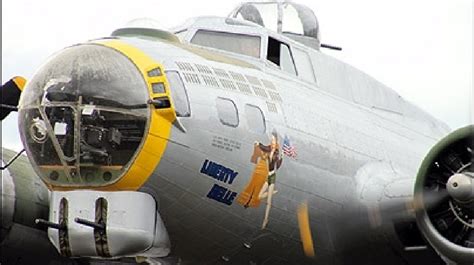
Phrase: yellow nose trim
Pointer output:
(161, 120)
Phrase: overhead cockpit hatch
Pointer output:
(145, 28)
(292, 20)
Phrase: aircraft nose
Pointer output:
(84, 115)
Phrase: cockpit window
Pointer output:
(231, 42)
(181, 34)
(303, 64)
(279, 53)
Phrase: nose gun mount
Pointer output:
(119, 228)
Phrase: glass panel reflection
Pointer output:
(83, 116)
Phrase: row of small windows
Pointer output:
(229, 115)
(226, 109)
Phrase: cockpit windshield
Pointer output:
(232, 42)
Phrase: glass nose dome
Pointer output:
(83, 116)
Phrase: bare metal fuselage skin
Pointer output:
(348, 154)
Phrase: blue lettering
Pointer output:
(231, 198)
(216, 192)
(232, 176)
(225, 174)
(205, 167)
(222, 194)
(210, 168)
(218, 172)
(213, 172)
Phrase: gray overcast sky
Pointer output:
(420, 48)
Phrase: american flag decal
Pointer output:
(288, 149)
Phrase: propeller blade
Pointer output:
(429, 199)
(356, 223)
(402, 209)
(10, 95)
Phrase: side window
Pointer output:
(279, 53)
(178, 94)
(304, 66)
(227, 112)
(255, 119)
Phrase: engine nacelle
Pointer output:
(444, 194)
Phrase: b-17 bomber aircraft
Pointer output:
(228, 140)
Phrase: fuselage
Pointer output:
(335, 137)
(336, 143)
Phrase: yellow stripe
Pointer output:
(161, 121)
(305, 230)
(20, 82)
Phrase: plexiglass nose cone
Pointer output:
(83, 116)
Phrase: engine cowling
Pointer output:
(444, 192)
